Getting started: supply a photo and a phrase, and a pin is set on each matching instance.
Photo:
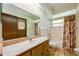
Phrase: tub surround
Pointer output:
(18, 48)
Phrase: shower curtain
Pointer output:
(69, 33)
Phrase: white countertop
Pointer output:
(18, 48)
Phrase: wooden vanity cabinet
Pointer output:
(26, 53)
(40, 50)
(46, 47)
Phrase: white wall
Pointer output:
(30, 28)
(43, 25)
(57, 33)
(77, 29)
(45, 15)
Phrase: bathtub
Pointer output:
(56, 43)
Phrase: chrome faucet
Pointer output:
(30, 38)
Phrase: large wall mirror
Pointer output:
(13, 27)
(21, 24)
(21, 27)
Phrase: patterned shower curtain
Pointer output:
(69, 33)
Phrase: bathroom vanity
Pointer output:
(36, 47)
(39, 50)
(15, 41)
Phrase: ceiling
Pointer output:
(59, 7)
(55, 8)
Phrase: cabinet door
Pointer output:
(41, 50)
(9, 24)
(37, 51)
(26, 53)
(46, 48)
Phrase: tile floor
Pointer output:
(60, 52)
